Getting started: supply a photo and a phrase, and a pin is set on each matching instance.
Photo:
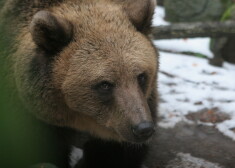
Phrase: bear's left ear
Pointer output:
(49, 32)
(140, 13)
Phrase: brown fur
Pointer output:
(99, 40)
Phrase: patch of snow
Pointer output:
(195, 45)
(225, 127)
(229, 66)
(158, 16)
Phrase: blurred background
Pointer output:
(197, 70)
(196, 42)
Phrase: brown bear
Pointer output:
(87, 70)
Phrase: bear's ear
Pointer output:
(49, 32)
(140, 13)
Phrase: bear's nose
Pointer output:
(143, 130)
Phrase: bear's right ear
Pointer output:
(49, 32)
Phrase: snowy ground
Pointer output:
(188, 84)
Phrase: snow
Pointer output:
(194, 80)
(189, 84)
(196, 45)
(224, 128)
(158, 16)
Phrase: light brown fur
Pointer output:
(105, 45)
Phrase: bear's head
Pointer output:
(102, 76)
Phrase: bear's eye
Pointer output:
(104, 87)
(142, 80)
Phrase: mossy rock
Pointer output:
(229, 13)
(193, 10)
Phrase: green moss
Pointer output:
(193, 10)
(229, 13)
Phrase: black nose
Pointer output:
(143, 130)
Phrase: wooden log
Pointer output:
(192, 30)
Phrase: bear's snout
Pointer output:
(143, 131)
(137, 123)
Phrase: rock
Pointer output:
(160, 2)
(233, 129)
(200, 141)
(183, 160)
(193, 10)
